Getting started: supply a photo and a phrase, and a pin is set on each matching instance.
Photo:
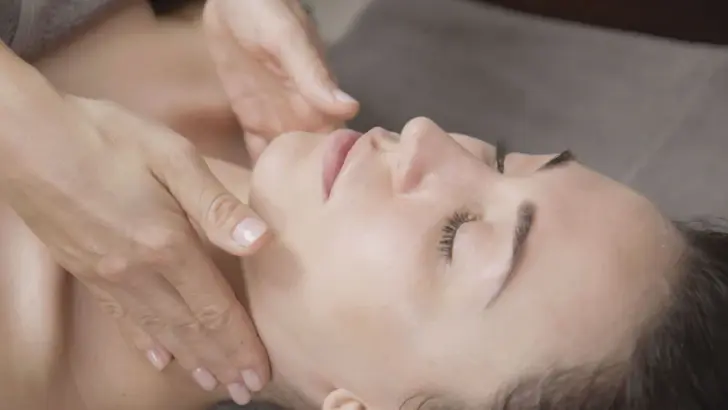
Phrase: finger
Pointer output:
(221, 316)
(255, 144)
(259, 98)
(156, 307)
(196, 315)
(226, 221)
(175, 162)
(157, 355)
(304, 64)
(295, 48)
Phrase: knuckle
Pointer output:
(150, 322)
(184, 149)
(220, 212)
(159, 244)
(113, 268)
(217, 317)
(190, 329)
(112, 308)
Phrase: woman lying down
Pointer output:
(410, 270)
(430, 270)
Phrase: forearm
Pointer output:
(25, 98)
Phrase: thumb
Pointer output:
(175, 163)
(225, 220)
(301, 60)
(255, 145)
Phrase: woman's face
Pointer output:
(427, 271)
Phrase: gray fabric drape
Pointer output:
(649, 112)
(31, 27)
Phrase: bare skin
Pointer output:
(70, 335)
(365, 321)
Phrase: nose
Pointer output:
(424, 151)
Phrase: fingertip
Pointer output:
(343, 97)
(204, 379)
(323, 93)
(245, 239)
(249, 232)
(252, 380)
(159, 358)
(341, 104)
(239, 393)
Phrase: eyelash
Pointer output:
(460, 218)
(450, 230)
(500, 157)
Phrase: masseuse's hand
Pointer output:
(119, 202)
(271, 64)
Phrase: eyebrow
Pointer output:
(562, 159)
(524, 221)
(525, 214)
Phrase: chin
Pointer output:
(287, 177)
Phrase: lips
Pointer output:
(338, 145)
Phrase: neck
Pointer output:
(101, 358)
(109, 373)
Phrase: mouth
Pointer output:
(338, 145)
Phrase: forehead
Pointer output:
(597, 264)
(595, 261)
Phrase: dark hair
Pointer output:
(165, 7)
(681, 359)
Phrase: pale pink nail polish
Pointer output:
(249, 231)
(239, 393)
(343, 97)
(205, 379)
(252, 380)
(159, 359)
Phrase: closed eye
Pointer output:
(450, 230)
(563, 158)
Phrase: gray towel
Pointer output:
(648, 112)
(31, 27)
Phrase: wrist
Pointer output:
(28, 106)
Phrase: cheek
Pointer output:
(367, 263)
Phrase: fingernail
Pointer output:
(252, 380)
(239, 394)
(158, 358)
(249, 231)
(205, 379)
(343, 97)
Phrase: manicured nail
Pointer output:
(249, 231)
(205, 379)
(159, 359)
(252, 380)
(239, 394)
(343, 97)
